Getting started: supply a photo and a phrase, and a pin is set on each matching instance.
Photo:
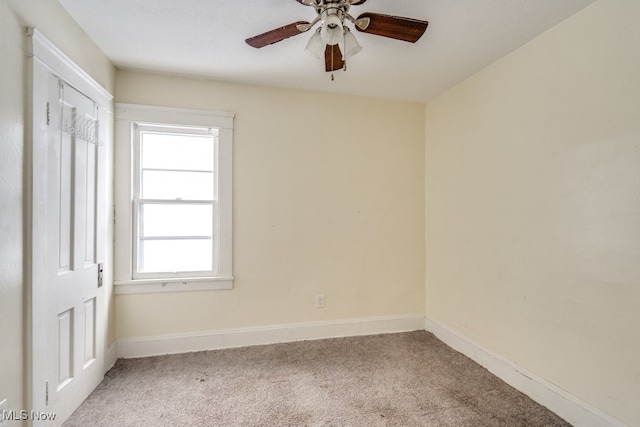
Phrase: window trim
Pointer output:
(126, 116)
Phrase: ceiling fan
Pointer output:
(333, 33)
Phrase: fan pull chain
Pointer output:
(332, 77)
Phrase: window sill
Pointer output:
(151, 286)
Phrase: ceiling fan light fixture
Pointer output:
(351, 45)
(315, 45)
(331, 30)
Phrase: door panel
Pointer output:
(89, 332)
(90, 205)
(65, 348)
(63, 206)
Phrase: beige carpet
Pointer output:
(408, 379)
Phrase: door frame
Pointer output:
(44, 59)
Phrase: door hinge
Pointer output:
(46, 393)
(48, 115)
(100, 271)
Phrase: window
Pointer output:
(173, 203)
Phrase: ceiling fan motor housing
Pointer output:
(332, 23)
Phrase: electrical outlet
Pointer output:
(3, 411)
(319, 301)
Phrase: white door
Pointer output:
(68, 312)
(67, 232)
(73, 271)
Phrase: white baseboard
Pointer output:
(569, 407)
(242, 337)
(111, 356)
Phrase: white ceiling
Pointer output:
(205, 38)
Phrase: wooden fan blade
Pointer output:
(275, 36)
(358, 2)
(395, 27)
(307, 2)
(333, 58)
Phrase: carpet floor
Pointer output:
(406, 379)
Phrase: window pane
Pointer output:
(177, 185)
(172, 151)
(169, 256)
(161, 220)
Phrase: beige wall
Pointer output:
(533, 215)
(49, 17)
(11, 199)
(320, 206)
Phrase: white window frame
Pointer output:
(138, 200)
(126, 279)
